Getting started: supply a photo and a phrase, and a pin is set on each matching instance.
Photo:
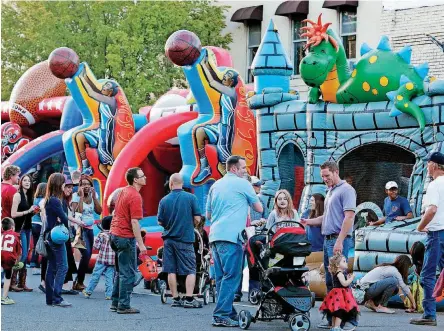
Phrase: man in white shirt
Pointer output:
(432, 222)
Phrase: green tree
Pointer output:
(120, 40)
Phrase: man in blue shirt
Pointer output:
(227, 208)
(396, 208)
(178, 213)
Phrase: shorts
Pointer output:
(7, 265)
(178, 258)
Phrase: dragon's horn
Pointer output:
(324, 28)
(306, 34)
(305, 28)
(319, 19)
(309, 21)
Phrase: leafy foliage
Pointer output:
(120, 40)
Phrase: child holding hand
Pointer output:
(339, 302)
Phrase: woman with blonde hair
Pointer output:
(283, 211)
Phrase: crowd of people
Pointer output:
(233, 203)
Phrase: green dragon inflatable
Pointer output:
(380, 74)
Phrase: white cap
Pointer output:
(390, 185)
(256, 181)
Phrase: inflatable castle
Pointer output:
(379, 120)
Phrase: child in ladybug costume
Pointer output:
(339, 302)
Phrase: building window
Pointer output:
(348, 33)
(254, 40)
(298, 45)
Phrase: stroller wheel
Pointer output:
(155, 288)
(163, 297)
(206, 296)
(244, 319)
(299, 322)
(254, 296)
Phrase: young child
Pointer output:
(11, 253)
(105, 263)
(339, 302)
(417, 252)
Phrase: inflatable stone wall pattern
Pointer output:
(388, 238)
(326, 131)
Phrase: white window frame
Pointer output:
(353, 60)
(293, 42)
(249, 47)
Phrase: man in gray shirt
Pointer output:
(338, 219)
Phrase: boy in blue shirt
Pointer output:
(396, 208)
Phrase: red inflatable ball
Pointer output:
(63, 62)
(183, 47)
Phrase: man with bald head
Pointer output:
(178, 213)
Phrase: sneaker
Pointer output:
(324, 325)
(348, 327)
(113, 308)
(336, 329)
(192, 304)
(86, 294)
(63, 304)
(225, 322)
(7, 301)
(177, 303)
(42, 288)
(69, 292)
(107, 298)
(423, 321)
(128, 311)
(36, 271)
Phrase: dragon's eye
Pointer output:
(323, 51)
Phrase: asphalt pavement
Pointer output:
(31, 313)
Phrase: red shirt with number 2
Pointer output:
(11, 248)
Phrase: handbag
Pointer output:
(358, 291)
(40, 246)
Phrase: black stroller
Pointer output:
(203, 288)
(280, 260)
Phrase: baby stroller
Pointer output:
(280, 260)
(203, 288)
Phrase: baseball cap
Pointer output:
(390, 185)
(256, 181)
(436, 157)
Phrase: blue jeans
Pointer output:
(328, 253)
(25, 238)
(36, 228)
(329, 244)
(99, 270)
(88, 237)
(239, 288)
(381, 291)
(227, 258)
(433, 257)
(124, 279)
(56, 272)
